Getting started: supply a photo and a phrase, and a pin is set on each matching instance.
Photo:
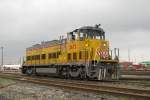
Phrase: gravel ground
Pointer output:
(29, 91)
(128, 84)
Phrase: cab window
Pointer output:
(72, 36)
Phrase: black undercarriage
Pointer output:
(100, 71)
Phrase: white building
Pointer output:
(11, 67)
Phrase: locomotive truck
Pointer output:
(84, 54)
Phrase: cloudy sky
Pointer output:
(27, 22)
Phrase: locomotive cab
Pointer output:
(94, 53)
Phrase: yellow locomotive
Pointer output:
(84, 54)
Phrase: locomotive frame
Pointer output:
(84, 54)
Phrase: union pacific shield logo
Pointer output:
(102, 53)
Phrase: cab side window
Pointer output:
(82, 36)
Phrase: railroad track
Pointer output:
(83, 86)
(147, 72)
(138, 82)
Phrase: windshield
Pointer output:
(87, 32)
(91, 34)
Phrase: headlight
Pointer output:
(104, 44)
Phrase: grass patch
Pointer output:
(4, 81)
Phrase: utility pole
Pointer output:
(129, 55)
(2, 56)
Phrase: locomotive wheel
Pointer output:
(67, 76)
(29, 71)
(82, 75)
(23, 71)
(87, 78)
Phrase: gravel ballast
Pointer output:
(27, 91)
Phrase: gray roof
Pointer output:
(44, 44)
(94, 28)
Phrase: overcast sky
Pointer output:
(27, 22)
